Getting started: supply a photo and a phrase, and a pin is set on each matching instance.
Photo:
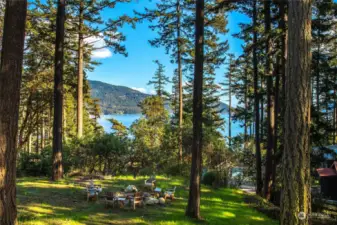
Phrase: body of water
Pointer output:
(128, 119)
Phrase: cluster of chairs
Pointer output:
(131, 195)
(118, 199)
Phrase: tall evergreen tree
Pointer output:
(296, 196)
(58, 93)
(160, 80)
(169, 16)
(193, 207)
(90, 27)
(270, 101)
(10, 81)
(256, 100)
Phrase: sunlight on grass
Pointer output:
(41, 202)
(257, 218)
(39, 209)
(228, 214)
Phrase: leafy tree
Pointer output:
(149, 133)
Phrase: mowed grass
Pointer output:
(64, 203)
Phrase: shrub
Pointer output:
(209, 178)
(147, 171)
(178, 170)
(40, 164)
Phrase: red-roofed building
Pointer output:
(328, 181)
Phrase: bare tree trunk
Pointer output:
(246, 108)
(10, 82)
(42, 132)
(64, 125)
(230, 101)
(276, 119)
(270, 105)
(259, 183)
(180, 83)
(29, 143)
(58, 93)
(296, 195)
(193, 207)
(80, 73)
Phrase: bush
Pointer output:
(33, 165)
(40, 164)
(209, 178)
(147, 171)
(178, 170)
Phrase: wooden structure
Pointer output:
(110, 199)
(137, 200)
(328, 181)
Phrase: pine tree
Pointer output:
(58, 93)
(193, 207)
(296, 197)
(90, 26)
(270, 102)
(10, 80)
(257, 112)
(228, 92)
(159, 80)
(169, 16)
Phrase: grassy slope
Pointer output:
(43, 202)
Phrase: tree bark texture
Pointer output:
(193, 207)
(259, 183)
(296, 196)
(10, 82)
(58, 93)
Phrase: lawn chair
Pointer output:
(169, 193)
(110, 199)
(137, 200)
(150, 183)
(92, 194)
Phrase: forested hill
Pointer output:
(116, 99)
(121, 99)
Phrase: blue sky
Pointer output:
(137, 69)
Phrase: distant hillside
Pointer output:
(120, 99)
(116, 99)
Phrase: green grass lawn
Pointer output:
(43, 202)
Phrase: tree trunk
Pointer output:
(276, 119)
(257, 111)
(180, 83)
(29, 143)
(10, 82)
(64, 116)
(58, 93)
(80, 73)
(193, 207)
(296, 195)
(318, 68)
(270, 105)
(230, 103)
(42, 132)
(246, 108)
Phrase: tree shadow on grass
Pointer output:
(44, 202)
